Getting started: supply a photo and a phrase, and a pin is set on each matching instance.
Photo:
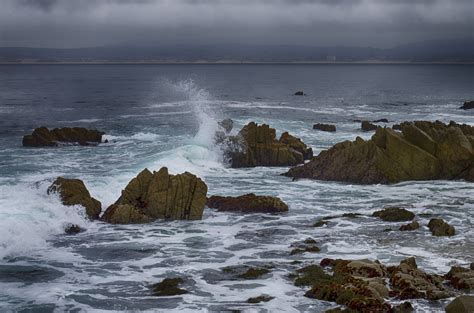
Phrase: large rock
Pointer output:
(461, 278)
(462, 304)
(256, 145)
(74, 192)
(249, 203)
(158, 195)
(43, 137)
(421, 151)
(439, 227)
(394, 215)
(467, 105)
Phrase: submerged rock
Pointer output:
(256, 145)
(74, 192)
(308, 245)
(325, 127)
(43, 137)
(462, 304)
(245, 272)
(382, 120)
(168, 287)
(226, 125)
(300, 93)
(468, 105)
(72, 229)
(422, 151)
(410, 226)
(249, 203)
(158, 195)
(262, 298)
(394, 215)
(439, 227)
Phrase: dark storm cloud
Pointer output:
(380, 23)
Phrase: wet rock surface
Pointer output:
(420, 151)
(43, 137)
(324, 127)
(368, 126)
(249, 203)
(462, 304)
(159, 195)
(394, 215)
(439, 227)
(168, 287)
(74, 192)
(410, 226)
(461, 278)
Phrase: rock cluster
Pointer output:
(74, 192)
(256, 145)
(421, 151)
(249, 203)
(151, 196)
(43, 137)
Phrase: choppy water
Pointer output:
(165, 115)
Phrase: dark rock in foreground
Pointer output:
(256, 145)
(439, 227)
(421, 151)
(462, 304)
(468, 105)
(394, 215)
(325, 127)
(168, 287)
(74, 192)
(43, 137)
(158, 195)
(249, 203)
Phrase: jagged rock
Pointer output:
(249, 203)
(461, 277)
(262, 298)
(300, 93)
(467, 105)
(421, 151)
(151, 196)
(462, 304)
(74, 192)
(43, 137)
(256, 145)
(296, 144)
(168, 287)
(439, 227)
(325, 127)
(394, 215)
(410, 226)
(368, 126)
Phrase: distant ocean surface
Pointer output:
(165, 115)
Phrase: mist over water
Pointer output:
(158, 116)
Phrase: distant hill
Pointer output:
(459, 50)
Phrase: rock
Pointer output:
(159, 195)
(461, 278)
(296, 144)
(421, 151)
(309, 245)
(300, 93)
(410, 226)
(394, 215)
(467, 105)
(472, 266)
(404, 307)
(262, 298)
(74, 192)
(325, 127)
(72, 229)
(246, 272)
(382, 120)
(226, 125)
(168, 287)
(320, 223)
(43, 137)
(256, 145)
(462, 304)
(439, 227)
(368, 126)
(249, 203)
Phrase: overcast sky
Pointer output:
(377, 23)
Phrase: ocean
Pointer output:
(166, 115)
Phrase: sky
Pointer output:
(89, 23)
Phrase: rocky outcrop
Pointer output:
(159, 195)
(325, 127)
(439, 227)
(43, 137)
(462, 304)
(461, 278)
(249, 203)
(74, 192)
(394, 215)
(468, 105)
(368, 126)
(421, 151)
(256, 145)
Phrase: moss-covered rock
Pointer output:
(74, 192)
(439, 227)
(159, 195)
(394, 214)
(249, 203)
(43, 137)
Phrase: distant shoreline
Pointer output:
(236, 63)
